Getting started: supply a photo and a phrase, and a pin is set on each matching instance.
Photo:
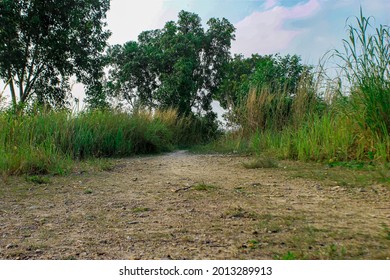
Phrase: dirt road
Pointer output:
(185, 206)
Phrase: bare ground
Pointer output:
(185, 206)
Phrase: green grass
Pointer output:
(48, 142)
(40, 180)
(288, 256)
(343, 175)
(329, 136)
(88, 191)
(204, 187)
(365, 58)
(386, 230)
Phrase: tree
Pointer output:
(236, 80)
(280, 73)
(45, 42)
(277, 73)
(179, 66)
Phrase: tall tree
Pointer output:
(276, 72)
(45, 42)
(179, 66)
(236, 80)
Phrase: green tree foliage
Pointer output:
(180, 66)
(45, 42)
(236, 78)
(275, 72)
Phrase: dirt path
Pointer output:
(184, 206)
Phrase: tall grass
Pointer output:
(326, 136)
(48, 142)
(366, 66)
(264, 109)
(341, 126)
(305, 128)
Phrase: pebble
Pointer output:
(10, 246)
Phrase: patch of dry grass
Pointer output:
(260, 163)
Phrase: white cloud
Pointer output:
(265, 32)
(127, 19)
(325, 31)
(270, 4)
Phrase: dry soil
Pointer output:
(186, 206)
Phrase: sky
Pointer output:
(308, 28)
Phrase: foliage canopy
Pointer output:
(274, 72)
(178, 66)
(45, 42)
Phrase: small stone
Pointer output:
(10, 246)
(135, 179)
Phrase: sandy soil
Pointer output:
(185, 206)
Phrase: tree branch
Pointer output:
(12, 88)
(23, 71)
(30, 84)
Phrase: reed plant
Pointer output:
(365, 64)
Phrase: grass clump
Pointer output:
(40, 180)
(88, 191)
(386, 230)
(204, 187)
(140, 209)
(253, 244)
(287, 257)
